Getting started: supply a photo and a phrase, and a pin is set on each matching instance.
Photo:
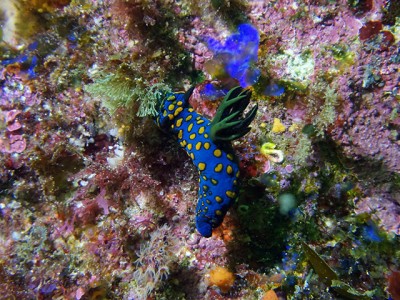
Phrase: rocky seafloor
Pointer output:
(96, 202)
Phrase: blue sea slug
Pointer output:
(208, 144)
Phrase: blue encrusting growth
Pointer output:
(273, 89)
(212, 93)
(240, 52)
(208, 144)
(28, 60)
(238, 55)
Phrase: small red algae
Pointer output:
(255, 279)
(225, 231)
(370, 29)
(387, 39)
(263, 281)
(362, 7)
(394, 285)
(276, 279)
(222, 278)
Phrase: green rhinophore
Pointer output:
(227, 124)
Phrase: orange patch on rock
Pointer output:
(270, 295)
(222, 278)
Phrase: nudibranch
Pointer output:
(208, 143)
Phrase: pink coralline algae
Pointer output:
(381, 145)
(12, 141)
(368, 129)
(14, 144)
(11, 115)
(14, 126)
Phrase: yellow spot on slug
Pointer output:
(171, 98)
(218, 212)
(188, 118)
(218, 199)
(218, 168)
(201, 130)
(189, 146)
(200, 122)
(192, 136)
(179, 122)
(170, 116)
(190, 127)
(198, 146)
(178, 111)
(179, 103)
(202, 166)
(229, 156)
(214, 182)
(230, 194)
(171, 107)
(217, 153)
(180, 133)
(192, 156)
(206, 145)
(229, 169)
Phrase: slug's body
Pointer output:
(210, 152)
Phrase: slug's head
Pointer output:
(169, 106)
